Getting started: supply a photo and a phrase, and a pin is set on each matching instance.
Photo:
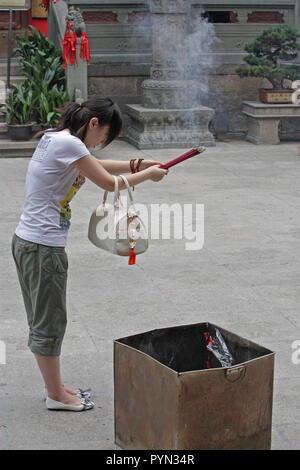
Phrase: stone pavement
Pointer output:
(245, 279)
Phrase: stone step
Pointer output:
(15, 68)
(10, 148)
(3, 130)
(14, 79)
(16, 74)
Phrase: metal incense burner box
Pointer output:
(166, 397)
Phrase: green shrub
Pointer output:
(42, 64)
(38, 56)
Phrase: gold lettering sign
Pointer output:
(38, 9)
(279, 97)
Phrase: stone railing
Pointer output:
(239, 22)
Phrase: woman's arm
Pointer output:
(117, 167)
(90, 167)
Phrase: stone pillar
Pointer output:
(76, 74)
(170, 115)
(76, 77)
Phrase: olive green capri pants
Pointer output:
(42, 272)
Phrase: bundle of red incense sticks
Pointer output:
(185, 156)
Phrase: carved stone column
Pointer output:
(170, 115)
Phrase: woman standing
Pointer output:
(56, 171)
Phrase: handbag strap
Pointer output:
(128, 189)
(116, 196)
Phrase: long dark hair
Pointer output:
(76, 118)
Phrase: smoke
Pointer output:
(200, 61)
(183, 60)
(182, 49)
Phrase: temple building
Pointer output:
(120, 35)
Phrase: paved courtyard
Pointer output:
(246, 278)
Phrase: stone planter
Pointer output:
(20, 131)
(276, 96)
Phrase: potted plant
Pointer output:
(43, 91)
(18, 110)
(267, 57)
(42, 64)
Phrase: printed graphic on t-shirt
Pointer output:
(41, 149)
(65, 210)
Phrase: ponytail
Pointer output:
(76, 118)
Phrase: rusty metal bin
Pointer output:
(165, 397)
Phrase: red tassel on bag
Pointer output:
(132, 257)
(85, 48)
(132, 254)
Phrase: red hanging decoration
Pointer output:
(69, 45)
(85, 48)
(73, 43)
(65, 43)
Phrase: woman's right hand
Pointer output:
(156, 173)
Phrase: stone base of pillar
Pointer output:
(169, 128)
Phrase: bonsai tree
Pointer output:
(268, 54)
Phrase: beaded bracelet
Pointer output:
(135, 169)
(132, 165)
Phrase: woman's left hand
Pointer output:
(147, 163)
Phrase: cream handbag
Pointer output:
(126, 233)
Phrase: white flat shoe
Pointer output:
(86, 404)
(81, 393)
(84, 393)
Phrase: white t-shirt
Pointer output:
(51, 183)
